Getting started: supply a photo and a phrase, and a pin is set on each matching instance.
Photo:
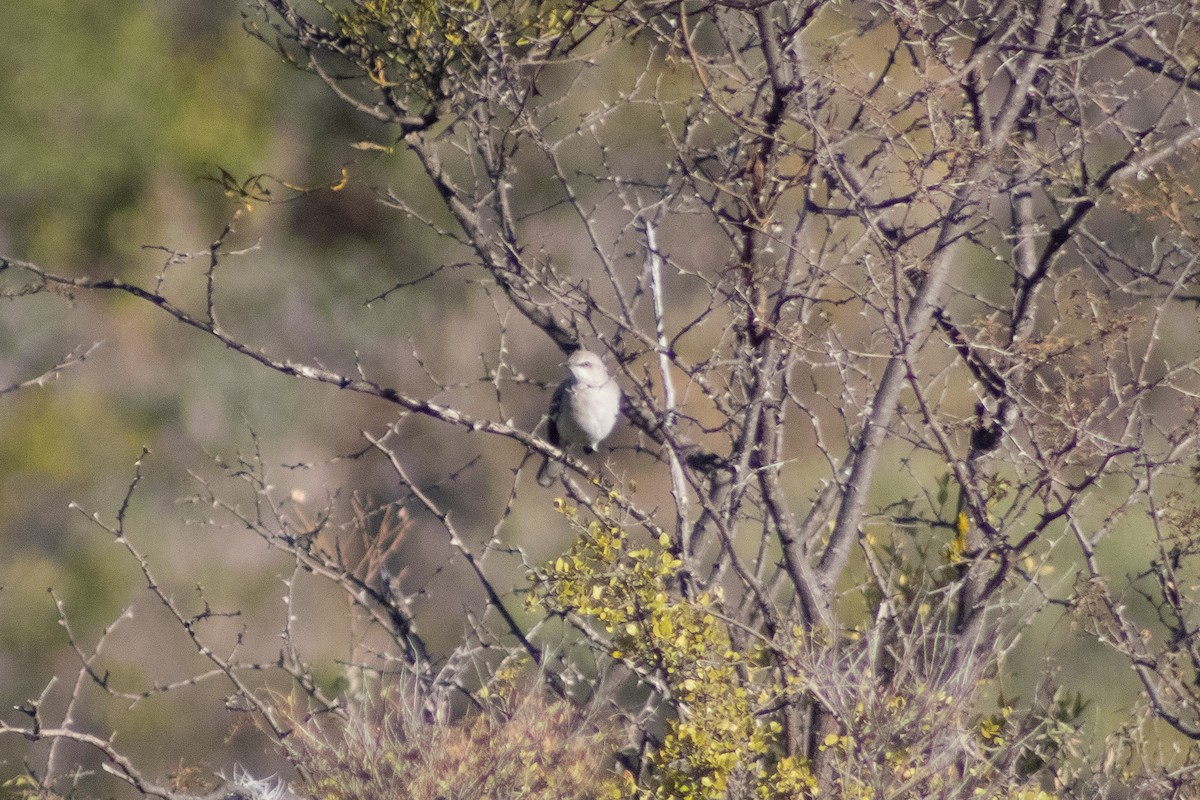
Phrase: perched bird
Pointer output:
(583, 410)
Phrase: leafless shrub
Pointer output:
(893, 291)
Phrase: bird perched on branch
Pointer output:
(583, 410)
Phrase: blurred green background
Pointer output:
(116, 114)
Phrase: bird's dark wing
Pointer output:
(556, 404)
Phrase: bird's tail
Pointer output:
(549, 471)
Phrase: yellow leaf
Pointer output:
(337, 187)
(372, 146)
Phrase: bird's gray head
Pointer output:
(588, 368)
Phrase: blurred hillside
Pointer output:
(119, 116)
(127, 124)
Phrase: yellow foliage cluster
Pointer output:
(416, 45)
(720, 734)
